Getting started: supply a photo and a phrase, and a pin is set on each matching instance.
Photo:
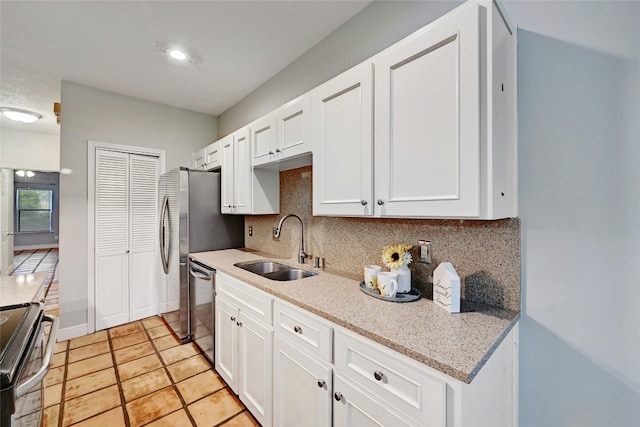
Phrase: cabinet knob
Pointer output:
(239, 323)
(380, 202)
(127, 251)
(297, 329)
(233, 319)
(321, 383)
(278, 150)
(271, 153)
(378, 375)
(338, 396)
(363, 202)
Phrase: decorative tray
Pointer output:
(412, 295)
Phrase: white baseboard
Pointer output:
(72, 332)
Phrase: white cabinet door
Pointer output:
(228, 174)
(226, 343)
(112, 238)
(263, 140)
(143, 228)
(256, 368)
(354, 408)
(243, 173)
(427, 122)
(6, 221)
(199, 159)
(294, 128)
(343, 144)
(212, 156)
(302, 387)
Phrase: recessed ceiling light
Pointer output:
(176, 54)
(18, 115)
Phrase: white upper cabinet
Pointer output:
(246, 190)
(282, 134)
(343, 144)
(198, 159)
(212, 156)
(293, 121)
(427, 116)
(263, 140)
(208, 158)
(444, 138)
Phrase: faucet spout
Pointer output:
(276, 233)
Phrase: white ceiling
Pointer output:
(118, 46)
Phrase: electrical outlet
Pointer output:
(250, 230)
(426, 251)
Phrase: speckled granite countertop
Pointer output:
(21, 288)
(455, 344)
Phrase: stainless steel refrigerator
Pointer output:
(190, 221)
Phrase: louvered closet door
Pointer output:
(143, 224)
(112, 239)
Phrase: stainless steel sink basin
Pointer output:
(291, 274)
(262, 267)
(274, 270)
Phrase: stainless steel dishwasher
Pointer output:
(201, 282)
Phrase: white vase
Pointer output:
(404, 279)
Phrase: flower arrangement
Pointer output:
(395, 256)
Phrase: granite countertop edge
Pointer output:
(463, 367)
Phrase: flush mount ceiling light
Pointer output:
(18, 115)
(176, 54)
(29, 174)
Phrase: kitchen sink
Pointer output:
(274, 270)
(291, 274)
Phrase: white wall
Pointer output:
(579, 142)
(23, 149)
(579, 139)
(376, 27)
(94, 115)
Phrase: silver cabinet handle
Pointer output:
(380, 202)
(378, 375)
(363, 202)
(338, 396)
(297, 329)
(321, 383)
(30, 382)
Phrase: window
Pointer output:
(34, 209)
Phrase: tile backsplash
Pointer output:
(486, 254)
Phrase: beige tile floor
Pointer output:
(130, 375)
(133, 375)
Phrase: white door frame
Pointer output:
(91, 219)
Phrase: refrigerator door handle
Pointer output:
(164, 248)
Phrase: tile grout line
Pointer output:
(173, 383)
(123, 401)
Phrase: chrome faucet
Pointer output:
(276, 233)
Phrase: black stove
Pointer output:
(23, 363)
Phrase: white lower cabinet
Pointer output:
(302, 387)
(244, 357)
(306, 370)
(354, 408)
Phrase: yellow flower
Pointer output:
(395, 256)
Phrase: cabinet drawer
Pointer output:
(310, 332)
(250, 300)
(391, 377)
